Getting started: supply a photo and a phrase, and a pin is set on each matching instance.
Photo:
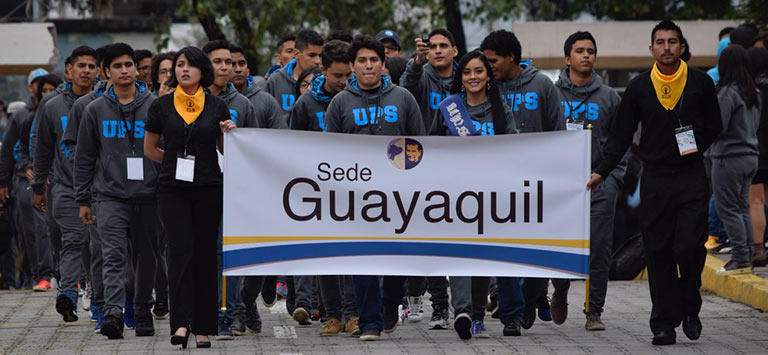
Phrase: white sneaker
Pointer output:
(85, 299)
(416, 310)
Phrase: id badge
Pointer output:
(185, 168)
(574, 125)
(686, 142)
(135, 168)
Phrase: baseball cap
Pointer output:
(35, 74)
(388, 34)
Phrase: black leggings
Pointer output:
(191, 218)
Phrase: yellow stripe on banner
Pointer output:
(569, 243)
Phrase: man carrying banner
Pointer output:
(588, 104)
(680, 118)
(371, 104)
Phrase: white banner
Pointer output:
(307, 203)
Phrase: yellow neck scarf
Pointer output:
(669, 88)
(189, 107)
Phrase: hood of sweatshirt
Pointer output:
(525, 77)
(287, 73)
(141, 96)
(252, 88)
(354, 88)
(564, 83)
(316, 88)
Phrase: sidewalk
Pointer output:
(748, 289)
(29, 324)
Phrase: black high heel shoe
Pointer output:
(202, 344)
(180, 339)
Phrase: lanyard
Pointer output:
(129, 129)
(375, 116)
(573, 109)
(188, 134)
(678, 108)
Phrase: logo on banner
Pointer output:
(404, 153)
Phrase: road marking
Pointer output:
(284, 332)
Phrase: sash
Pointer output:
(456, 117)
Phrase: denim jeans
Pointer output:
(371, 294)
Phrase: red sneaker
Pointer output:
(42, 286)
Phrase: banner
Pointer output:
(308, 203)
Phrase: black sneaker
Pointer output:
(160, 311)
(66, 307)
(529, 316)
(512, 329)
(439, 318)
(252, 319)
(391, 318)
(145, 327)
(269, 291)
(238, 327)
(113, 327)
(463, 324)
(225, 330)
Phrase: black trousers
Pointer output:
(191, 218)
(673, 221)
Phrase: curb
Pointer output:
(749, 289)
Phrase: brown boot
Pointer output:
(758, 257)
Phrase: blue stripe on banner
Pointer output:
(575, 263)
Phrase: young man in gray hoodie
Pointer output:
(309, 115)
(429, 75)
(68, 145)
(371, 104)
(589, 105)
(282, 85)
(535, 102)
(268, 111)
(531, 95)
(48, 154)
(112, 175)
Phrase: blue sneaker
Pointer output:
(128, 315)
(542, 305)
(95, 314)
(478, 329)
(66, 305)
(99, 323)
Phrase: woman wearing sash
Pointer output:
(475, 108)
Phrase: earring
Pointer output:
(463, 89)
(488, 86)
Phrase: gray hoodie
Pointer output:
(268, 111)
(427, 87)
(241, 110)
(309, 112)
(282, 87)
(534, 101)
(482, 117)
(594, 105)
(104, 143)
(739, 136)
(69, 139)
(51, 124)
(355, 111)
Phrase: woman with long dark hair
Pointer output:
(475, 92)
(734, 155)
(474, 83)
(191, 122)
